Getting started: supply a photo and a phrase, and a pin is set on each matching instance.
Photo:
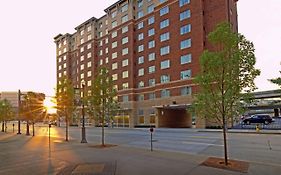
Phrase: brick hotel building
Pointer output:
(152, 49)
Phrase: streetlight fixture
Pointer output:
(83, 114)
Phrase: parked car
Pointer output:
(258, 118)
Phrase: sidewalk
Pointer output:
(33, 155)
(246, 131)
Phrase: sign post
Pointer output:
(151, 131)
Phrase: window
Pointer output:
(151, 32)
(125, 29)
(140, 3)
(164, 23)
(113, 14)
(183, 2)
(114, 66)
(141, 72)
(89, 73)
(140, 14)
(89, 37)
(164, 50)
(151, 20)
(140, 36)
(165, 36)
(89, 28)
(151, 44)
(125, 85)
(165, 93)
(165, 64)
(124, 19)
(125, 98)
(125, 40)
(186, 74)
(185, 15)
(124, 8)
(151, 96)
(185, 29)
(140, 84)
(125, 74)
(151, 69)
(114, 34)
(140, 97)
(114, 45)
(82, 40)
(114, 55)
(141, 60)
(89, 64)
(114, 77)
(165, 78)
(151, 56)
(89, 46)
(140, 48)
(185, 59)
(151, 82)
(140, 25)
(150, 8)
(114, 24)
(125, 51)
(185, 44)
(125, 62)
(164, 11)
(185, 91)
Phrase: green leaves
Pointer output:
(226, 70)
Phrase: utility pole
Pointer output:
(83, 116)
(19, 111)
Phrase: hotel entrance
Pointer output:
(173, 116)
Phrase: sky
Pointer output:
(28, 52)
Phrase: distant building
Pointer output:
(152, 49)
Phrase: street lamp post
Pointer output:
(19, 106)
(83, 115)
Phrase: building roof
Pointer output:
(86, 22)
(114, 5)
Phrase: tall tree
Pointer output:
(65, 101)
(101, 100)
(225, 73)
(6, 112)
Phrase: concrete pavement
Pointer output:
(22, 154)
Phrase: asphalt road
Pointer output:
(260, 148)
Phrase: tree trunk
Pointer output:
(224, 141)
(2, 126)
(66, 127)
(27, 128)
(33, 131)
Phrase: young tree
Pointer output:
(225, 73)
(32, 109)
(6, 112)
(101, 100)
(65, 101)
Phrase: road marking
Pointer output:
(199, 143)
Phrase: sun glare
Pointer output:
(49, 104)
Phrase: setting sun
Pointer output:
(49, 104)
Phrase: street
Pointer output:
(24, 154)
